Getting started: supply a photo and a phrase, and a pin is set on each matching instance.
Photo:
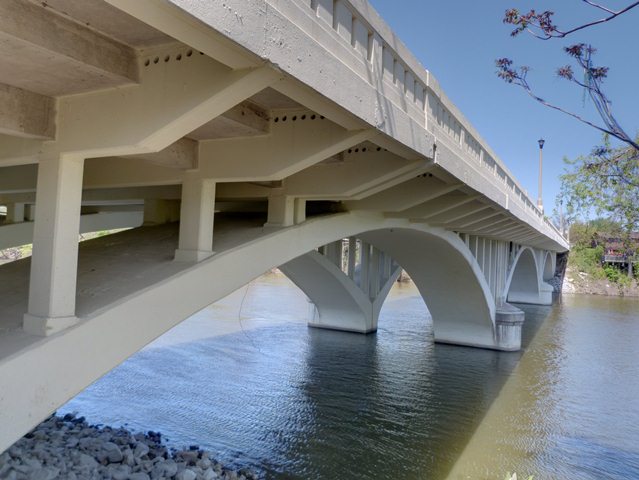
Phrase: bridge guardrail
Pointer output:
(416, 91)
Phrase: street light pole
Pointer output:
(540, 204)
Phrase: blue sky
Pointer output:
(458, 41)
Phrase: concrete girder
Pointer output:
(473, 218)
(415, 191)
(57, 56)
(17, 234)
(244, 120)
(20, 178)
(18, 150)
(510, 224)
(114, 172)
(108, 196)
(479, 220)
(243, 191)
(180, 91)
(181, 154)
(117, 172)
(359, 171)
(290, 148)
(436, 207)
(526, 237)
(492, 226)
(308, 97)
(457, 213)
(173, 21)
(26, 114)
(109, 21)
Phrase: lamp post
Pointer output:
(540, 203)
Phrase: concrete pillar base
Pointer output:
(508, 323)
(192, 255)
(45, 326)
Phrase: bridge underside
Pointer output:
(119, 114)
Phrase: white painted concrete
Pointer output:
(196, 218)
(55, 246)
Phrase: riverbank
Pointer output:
(576, 282)
(68, 447)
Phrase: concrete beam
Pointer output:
(436, 207)
(457, 225)
(106, 196)
(181, 154)
(505, 229)
(495, 226)
(117, 172)
(18, 150)
(478, 220)
(178, 24)
(308, 97)
(26, 114)
(113, 172)
(243, 191)
(449, 219)
(291, 147)
(361, 169)
(180, 91)
(413, 192)
(54, 55)
(244, 120)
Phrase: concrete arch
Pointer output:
(442, 267)
(448, 278)
(549, 267)
(128, 324)
(523, 282)
(338, 302)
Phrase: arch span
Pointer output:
(549, 267)
(445, 271)
(449, 280)
(525, 283)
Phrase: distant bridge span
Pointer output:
(298, 134)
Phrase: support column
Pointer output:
(54, 263)
(281, 211)
(29, 213)
(300, 211)
(196, 219)
(15, 213)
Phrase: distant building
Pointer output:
(618, 251)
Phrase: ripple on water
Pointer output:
(295, 402)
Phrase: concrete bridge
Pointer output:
(302, 130)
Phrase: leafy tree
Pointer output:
(541, 25)
(606, 182)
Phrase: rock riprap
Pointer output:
(71, 449)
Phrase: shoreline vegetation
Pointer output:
(587, 269)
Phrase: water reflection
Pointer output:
(269, 393)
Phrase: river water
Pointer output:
(246, 379)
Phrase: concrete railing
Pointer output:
(377, 55)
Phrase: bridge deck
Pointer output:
(111, 268)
